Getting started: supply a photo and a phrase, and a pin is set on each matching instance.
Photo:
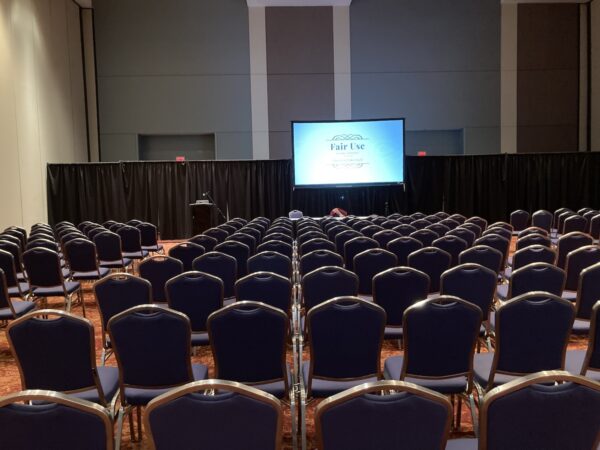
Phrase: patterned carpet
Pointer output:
(10, 380)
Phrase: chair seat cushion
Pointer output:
(325, 388)
(581, 326)
(14, 291)
(574, 363)
(228, 301)
(136, 255)
(141, 396)
(116, 264)
(462, 444)
(570, 295)
(20, 308)
(91, 275)
(455, 385)
(482, 366)
(502, 291)
(275, 388)
(200, 338)
(70, 287)
(393, 333)
(109, 380)
(21, 276)
(153, 248)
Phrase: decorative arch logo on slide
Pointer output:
(343, 153)
(346, 146)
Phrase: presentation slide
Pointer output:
(346, 153)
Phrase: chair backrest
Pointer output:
(216, 233)
(496, 241)
(453, 245)
(479, 221)
(519, 219)
(131, 239)
(532, 230)
(158, 270)
(222, 266)
(465, 234)
(588, 291)
(484, 256)
(355, 246)
(547, 317)
(595, 226)
(473, 283)
(577, 261)
(327, 282)
(439, 338)
(81, 255)
(533, 254)
(241, 253)
(266, 287)
(148, 234)
(385, 236)
(345, 335)
(398, 288)
(438, 228)
(55, 350)
(542, 219)
(420, 224)
(15, 251)
(186, 252)
(575, 223)
(432, 261)
(108, 246)
(275, 245)
(550, 410)
(368, 264)
(152, 346)
(243, 238)
(43, 267)
(425, 237)
(255, 360)
(406, 416)
(309, 234)
(343, 237)
(370, 230)
(392, 223)
(177, 418)
(40, 419)
(533, 239)
(7, 265)
(569, 242)
(207, 241)
(506, 234)
(592, 356)
(560, 220)
(317, 259)
(43, 243)
(316, 244)
(537, 277)
(118, 292)
(270, 261)
(404, 229)
(197, 295)
(402, 247)
(473, 227)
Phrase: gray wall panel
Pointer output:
(299, 70)
(119, 147)
(176, 67)
(434, 62)
(158, 37)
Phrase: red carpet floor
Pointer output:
(10, 380)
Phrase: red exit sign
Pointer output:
(180, 158)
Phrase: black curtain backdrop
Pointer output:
(490, 186)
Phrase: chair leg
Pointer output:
(131, 427)
(119, 428)
(293, 414)
(68, 303)
(139, 422)
(458, 412)
(81, 299)
(303, 418)
(474, 415)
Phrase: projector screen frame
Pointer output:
(349, 185)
